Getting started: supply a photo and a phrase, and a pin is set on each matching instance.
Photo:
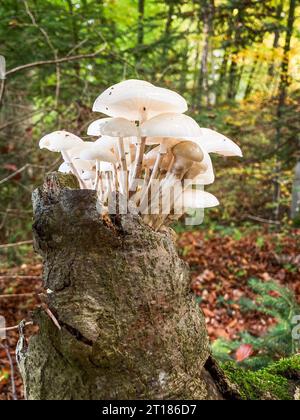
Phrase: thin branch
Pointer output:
(18, 121)
(16, 327)
(17, 295)
(11, 176)
(16, 277)
(5, 246)
(262, 220)
(58, 61)
(27, 165)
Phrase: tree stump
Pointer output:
(129, 326)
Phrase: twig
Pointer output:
(20, 120)
(12, 370)
(58, 61)
(5, 246)
(262, 220)
(27, 165)
(18, 295)
(15, 327)
(16, 277)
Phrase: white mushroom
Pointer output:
(137, 100)
(214, 142)
(172, 125)
(96, 153)
(62, 142)
(198, 199)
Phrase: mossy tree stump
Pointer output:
(129, 326)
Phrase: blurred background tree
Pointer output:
(235, 61)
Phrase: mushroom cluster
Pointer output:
(148, 151)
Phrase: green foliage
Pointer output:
(273, 382)
(275, 301)
(234, 89)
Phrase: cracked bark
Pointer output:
(130, 328)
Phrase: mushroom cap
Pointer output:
(74, 153)
(82, 165)
(64, 168)
(171, 125)
(207, 177)
(214, 142)
(94, 129)
(188, 150)
(198, 199)
(96, 152)
(196, 169)
(135, 99)
(60, 141)
(118, 127)
(88, 175)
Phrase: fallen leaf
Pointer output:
(243, 352)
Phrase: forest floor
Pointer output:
(221, 266)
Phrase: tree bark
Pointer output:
(130, 328)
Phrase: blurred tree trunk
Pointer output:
(130, 327)
(207, 12)
(277, 32)
(140, 28)
(232, 81)
(295, 211)
(283, 86)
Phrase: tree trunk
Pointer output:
(283, 87)
(130, 328)
(295, 210)
(207, 16)
(140, 29)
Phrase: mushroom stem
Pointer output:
(138, 164)
(155, 171)
(97, 180)
(115, 178)
(122, 155)
(67, 159)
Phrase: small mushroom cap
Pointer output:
(207, 177)
(88, 175)
(82, 165)
(134, 99)
(96, 152)
(196, 169)
(74, 153)
(64, 168)
(60, 141)
(171, 125)
(119, 127)
(188, 150)
(198, 199)
(214, 142)
(94, 129)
